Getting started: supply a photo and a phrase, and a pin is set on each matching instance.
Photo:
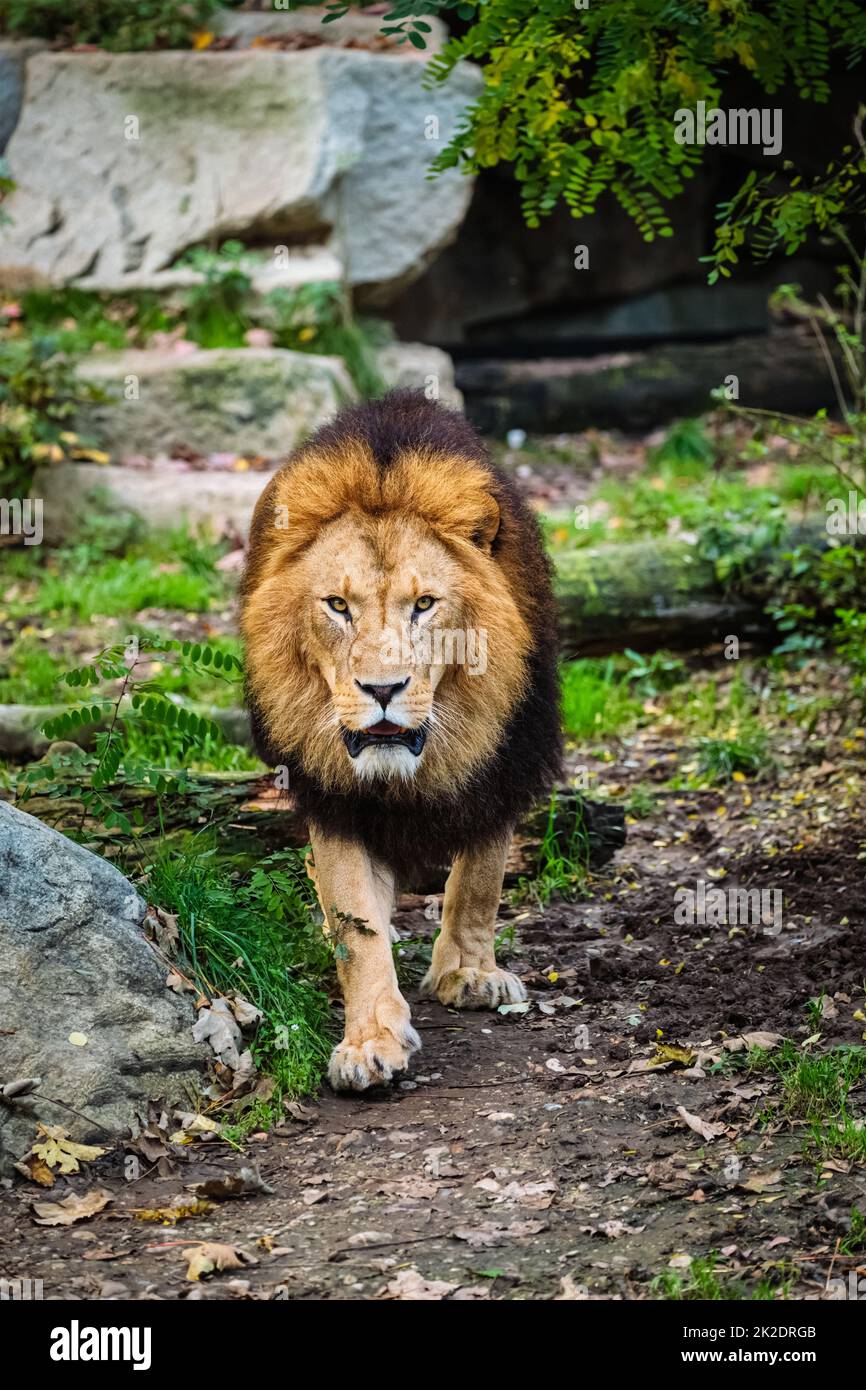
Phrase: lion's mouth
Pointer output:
(384, 735)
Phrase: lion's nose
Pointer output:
(383, 693)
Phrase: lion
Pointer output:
(400, 638)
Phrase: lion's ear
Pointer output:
(486, 529)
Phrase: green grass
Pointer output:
(122, 584)
(159, 746)
(817, 1092)
(746, 752)
(114, 573)
(687, 485)
(216, 313)
(561, 867)
(642, 802)
(702, 1282)
(29, 674)
(855, 1240)
(117, 571)
(258, 934)
(77, 321)
(596, 700)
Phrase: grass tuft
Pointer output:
(260, 935)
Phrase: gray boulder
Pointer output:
(161, 151)
(74, 963)
(420, 367)
(13, 59)
(250, 400)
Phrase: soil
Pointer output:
(536, 1156)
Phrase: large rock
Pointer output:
(420, 367)
(74, 963)
(252, 400)
(161, 151)
(72, 493)
(13, 59)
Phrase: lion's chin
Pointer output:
(379, 762)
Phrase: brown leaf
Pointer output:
(410, 1285)
(536, 1195)
(759, 1182)
(705, 1128)
(71, 1209)
(766, 1041)
(571, 1292)
(491, 1233)
(36, 1169)
(248, 1182)
(210, 1255)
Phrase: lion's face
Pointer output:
(380, 597)
(383, 650)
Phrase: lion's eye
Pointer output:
(424, 602)
(339, 605)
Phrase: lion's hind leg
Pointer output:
(463, 972)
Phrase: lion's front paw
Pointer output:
(468, 988)
(355, 1066)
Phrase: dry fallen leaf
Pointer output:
(759, 1182)
(409, 1284)
(210, 1255)
(705, 1128)
(766, 1041)
(571, 1292)
(71, 1209)
(217, 1026)
(33, 1167)
(246, 1013)
(191, 1125)
(536, 1195)
(23, 1086)
(58, 1151)
(248, 1182)
(491, 1233)
(180, 1209)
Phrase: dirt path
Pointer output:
(530, 1156)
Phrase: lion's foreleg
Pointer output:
(463, 972)
(357, 897)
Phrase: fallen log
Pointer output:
(649, 595)
(667, 593)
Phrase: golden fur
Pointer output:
(348, 529)
(397, 501)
